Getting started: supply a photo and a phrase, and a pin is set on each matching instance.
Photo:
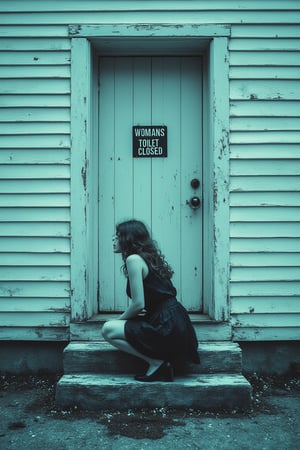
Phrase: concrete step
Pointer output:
(101, 357)
(209, 392)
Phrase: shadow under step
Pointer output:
(210, 392)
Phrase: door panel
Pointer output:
(151, 91)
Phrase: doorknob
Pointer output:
(195, 183)
(195, 202)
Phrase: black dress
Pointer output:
(165, 332)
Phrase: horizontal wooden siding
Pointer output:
(35, 154)
(34, 188)
(265, 181)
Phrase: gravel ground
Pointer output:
(30, 420)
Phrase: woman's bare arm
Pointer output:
(135, 265)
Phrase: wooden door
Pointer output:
(149, 91)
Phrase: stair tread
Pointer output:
(103, 345)
(90, 379)
(116, 392)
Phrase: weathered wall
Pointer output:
(35, 158)
(35, 177)
(23, 358)
(271, 357)
(264, 180)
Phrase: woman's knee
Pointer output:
(106, 330)
(113, 329)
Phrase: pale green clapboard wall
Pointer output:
(35, 158)
(265, 182)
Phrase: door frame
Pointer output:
(90, 41)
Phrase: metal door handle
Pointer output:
(195, 202)
(195, 183)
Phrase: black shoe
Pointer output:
(163, 373)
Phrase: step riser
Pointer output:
(91, 358)
(118, 395)
(117, 363)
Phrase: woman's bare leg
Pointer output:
(113, 332)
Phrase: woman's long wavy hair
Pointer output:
(134, 238)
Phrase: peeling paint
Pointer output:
(60, 310)
(215, 194)
(224, 143)
(38, 333)
(10, 292)
(83, 175)
(74, 30)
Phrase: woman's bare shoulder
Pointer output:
(133, 257)
(136, 262)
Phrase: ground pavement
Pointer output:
(30, 420)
